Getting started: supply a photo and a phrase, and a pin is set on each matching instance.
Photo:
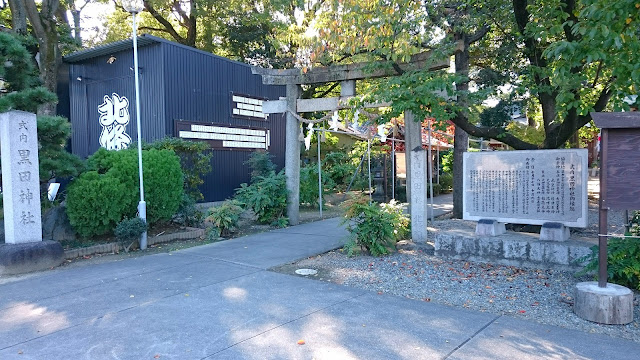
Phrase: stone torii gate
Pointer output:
(347, 76)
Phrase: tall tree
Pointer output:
(243, 30)
(569, 57)
(44, 24)
(18, 17)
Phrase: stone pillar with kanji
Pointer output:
(24, 249)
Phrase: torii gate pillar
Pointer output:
(292, 155)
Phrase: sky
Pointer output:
(93, 17)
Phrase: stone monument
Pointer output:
(539, 187)
(24, 250)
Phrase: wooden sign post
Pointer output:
(603, 302)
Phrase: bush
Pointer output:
(129, 231)
(623, 262)
(99, 199)
(446, 182)
(96, 203)
(266, 196)
(55, 160)
(188, 213)
(225, 217)
(339, 168)
(260, 164)
(309, 184)
(163, 182)
(623, 258)
(375, 228)
(195, 161)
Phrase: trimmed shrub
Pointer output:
(195, 160)
(95, 203)
(114, 185)
(129, 231)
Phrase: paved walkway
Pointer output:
(219, 301)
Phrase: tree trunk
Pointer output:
(460, 141)
(44, 27)
(460, 146)
(77, 30)
(18, 17)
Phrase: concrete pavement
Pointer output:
(219, 301)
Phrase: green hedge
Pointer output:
(99, 199)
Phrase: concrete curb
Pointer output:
(114, 247)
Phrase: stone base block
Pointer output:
(487, 227)
(27, 257)
(612, 305)
(552, 231)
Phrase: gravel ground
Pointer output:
(541, 295)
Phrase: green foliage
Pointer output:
(260, 164)
(623, 257)
(129, 230)
(572, 57)
(530, 134)
(99, 199)
(21, 85)
(55, 160)
(446, 182)
(225, 217)
(162, 175)
(188, 213)
(623, 262)
(96, 203)
(340, 168)
(281, 222)
(309, 184)
(266, 196)
(374, 227)
(497, 116)
(195, 160)
(446, 161)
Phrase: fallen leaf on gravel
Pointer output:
(19, 352)
(379, 292)
(300, 342)
(156, 356)
(427, 299)
(522, 311)
(535, 304)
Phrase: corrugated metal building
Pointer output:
(184, 92)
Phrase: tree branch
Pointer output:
(478, 34)
(499, 134)
(169, 28)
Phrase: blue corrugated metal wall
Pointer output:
(198, 88)
(176, 83)
(92, 79)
